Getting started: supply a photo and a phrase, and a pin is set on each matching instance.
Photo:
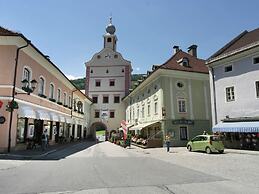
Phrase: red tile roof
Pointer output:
(5, 32)
(243, 39)
(196, 65)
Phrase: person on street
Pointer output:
(167, 141)
(44, 140)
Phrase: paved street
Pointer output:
(107, 168)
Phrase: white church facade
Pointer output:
(108, 77)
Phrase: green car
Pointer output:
(207, 143)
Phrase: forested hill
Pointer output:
(80, 83)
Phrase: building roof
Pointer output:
(195, 65)
(5, 32)
(244, 39)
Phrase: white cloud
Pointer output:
(71, 77)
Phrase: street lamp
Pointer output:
(29, 87)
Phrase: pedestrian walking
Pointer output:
(44, 140)
(167, 141)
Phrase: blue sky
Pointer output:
(70, 31)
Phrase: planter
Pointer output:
(52, 100)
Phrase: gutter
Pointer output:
(13, 91)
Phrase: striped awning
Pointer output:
(42, 115)
(143, 125)
(241, 127)
(26, 112)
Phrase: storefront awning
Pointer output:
(141, 126)
(26, 112)
(54, 117)
(69, 120)
(241, 127)
(42, 115)
(62, 119)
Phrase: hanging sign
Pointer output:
(2, 120)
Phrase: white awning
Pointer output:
(42, 115)
(54, 117)
(240, 127)
(69, 120)
(26, 112)
(62, 119)
(141, 126)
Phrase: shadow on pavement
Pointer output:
(55, 152)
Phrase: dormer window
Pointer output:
(184, 62)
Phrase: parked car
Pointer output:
(207, 143)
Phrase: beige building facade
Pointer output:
(172, 99)
(55, 105)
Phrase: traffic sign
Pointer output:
(1, 104)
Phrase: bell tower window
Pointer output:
(109, 39)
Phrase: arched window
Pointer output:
(41, 86)
(65, 98)
(51, 91)
(26, 74)
(59, 95)
(69, 101)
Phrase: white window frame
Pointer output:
(52, 93)
(30, 71)
(40, 86)
(59, 91)
(230, 95)
(65, 98)
(180, 105)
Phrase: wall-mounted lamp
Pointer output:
(28, 87)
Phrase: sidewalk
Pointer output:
(38, 152)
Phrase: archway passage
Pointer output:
(99, 130)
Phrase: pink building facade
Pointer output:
(55, 106)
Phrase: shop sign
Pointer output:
(183, 122)
(2, 120)
(1, 104)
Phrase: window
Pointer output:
(148, 110)
(155, 107)
(183, 133)
(185, 62)
(95, 99)
(109, 40)
(65, 99)
(182, 106)
(180, 85)
(69, 101)
(256, 60)
(228, 68)
(59, 95)
(116, 99)
(122, 70)
(26, 74)
(230, 95)
(51, 90)
(112, 114)
(97, 114)
(143, 112)
(105, 99)
(138, 113)
(91, 71)
(41, 86)
(112, 82)
(107, 71)
(97, 83)
(257, 88)
(115, 56)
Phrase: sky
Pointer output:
(71, 31)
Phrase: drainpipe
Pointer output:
(13, 92)
(214, 96)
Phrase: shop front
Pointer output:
(239, 135)
(147, 135)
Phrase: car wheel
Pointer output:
(208, 150)
(221, 151)
(189, 148)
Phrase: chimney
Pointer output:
(176, 49)
(192, 50)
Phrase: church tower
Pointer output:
(108, 77)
